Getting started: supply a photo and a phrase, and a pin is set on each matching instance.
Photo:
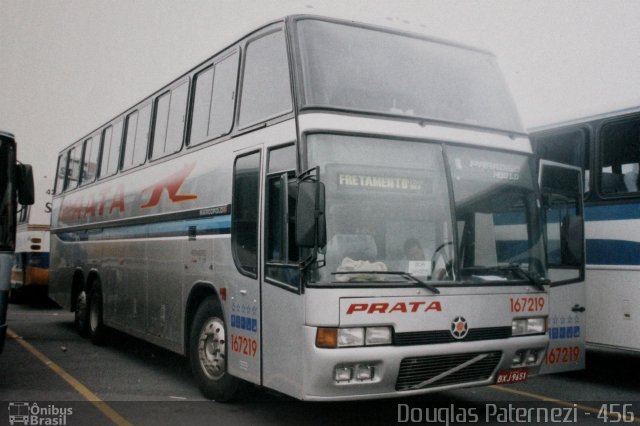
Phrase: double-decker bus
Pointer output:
(30, 272)
(329, 209)
(16, 187)
(607, 147)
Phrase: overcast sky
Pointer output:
(67, 66)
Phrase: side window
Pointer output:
(266, 91)
(620, 157)
(244, 213)
(136, 137)
(110, 155)
(214, 100)
(203, 84)
(90, 160)
(61, 173)
(281, 252)
(171, 109)
(568, 147)
(73, 168)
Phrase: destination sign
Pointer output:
(379, 182)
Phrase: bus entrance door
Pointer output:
(561, 187)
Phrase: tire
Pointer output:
(208, 352)
(81, 318)
(96, 327)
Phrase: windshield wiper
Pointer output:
(534, 279)
(404, 275)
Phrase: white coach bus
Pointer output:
(16, 188)
(607, 147)
(30, 272)
(328, 209)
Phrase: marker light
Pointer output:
(327, 337)
(524, 326)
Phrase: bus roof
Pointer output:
(586, 118)
(284, 19)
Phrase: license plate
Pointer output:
(513, 375)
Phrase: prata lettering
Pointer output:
(388, 308)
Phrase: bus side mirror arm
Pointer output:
(25, 188)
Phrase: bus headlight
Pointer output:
(348, 337)
(525, 326)
(330, 337)
(378, 336)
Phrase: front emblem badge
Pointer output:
(459, 328)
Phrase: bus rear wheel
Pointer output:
(81, 318)
(208, 352)
(97, 329)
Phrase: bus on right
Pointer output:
(607, 148)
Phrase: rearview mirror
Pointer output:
(26, 192)
(310, 220)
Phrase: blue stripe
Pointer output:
(179, 228)
(613, 212)
(613, 252)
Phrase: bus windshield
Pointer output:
(362, 69)
(388, 225)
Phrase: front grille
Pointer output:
(444, 336)
(417, 370)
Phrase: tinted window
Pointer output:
(281, 251)
(110, 158)
(266, 91)
(170, 117)
(223, 98)
(61, 173)
(137, 138)
(244, 213)
(90, 160)
(214, 100)
(620, 157)
(73, 168)
(201, 105)
(567, 147)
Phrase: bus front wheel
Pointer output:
(208, 352)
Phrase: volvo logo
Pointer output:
(459, 328)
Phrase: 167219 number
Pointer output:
(563, 355)
(244, 345)
(526, 304)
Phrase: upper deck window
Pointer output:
(362, 69)
(110, 158)
(73, 168)
(214, 100)
(90, 159)
(171, 109)
(60, 174)
(266, 91)
(136, 138)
